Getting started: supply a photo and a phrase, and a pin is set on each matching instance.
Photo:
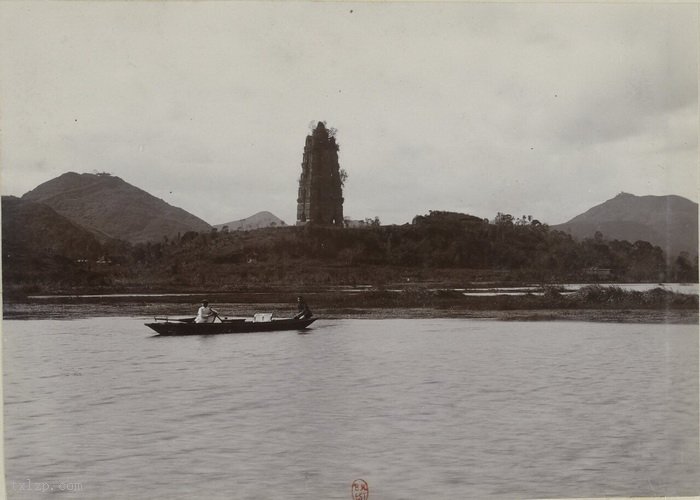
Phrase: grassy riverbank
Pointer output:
(590, 303)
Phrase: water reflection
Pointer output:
(437, 408)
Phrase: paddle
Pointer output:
(182, 320)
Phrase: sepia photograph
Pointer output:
(349, 250)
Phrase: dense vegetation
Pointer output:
(441, 247)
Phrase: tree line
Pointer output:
(438, 246)
(445, 240)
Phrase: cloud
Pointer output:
(545, 109)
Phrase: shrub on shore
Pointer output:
(597, 295)
(587, 297)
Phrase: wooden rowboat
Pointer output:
(239, 325)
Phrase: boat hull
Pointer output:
(168, 328)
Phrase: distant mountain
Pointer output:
(113, 208)
(30, 228)
(670, 222)
(257, 221)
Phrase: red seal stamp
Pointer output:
(359, 490)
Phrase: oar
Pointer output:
(181, 320)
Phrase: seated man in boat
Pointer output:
(206, 314)
(304, 311)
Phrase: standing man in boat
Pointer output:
(206, 314)
(304, 311)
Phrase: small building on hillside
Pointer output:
(598, 272)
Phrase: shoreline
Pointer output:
(16, 293)
(686, 317)
(593, 303)
(28, 311)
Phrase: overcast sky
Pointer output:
(539, 109)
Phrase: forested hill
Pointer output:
(41, 246)
(437, 247)
(670, 222)
(113, 208)
(34, 228)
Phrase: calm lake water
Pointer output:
(435, 408)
